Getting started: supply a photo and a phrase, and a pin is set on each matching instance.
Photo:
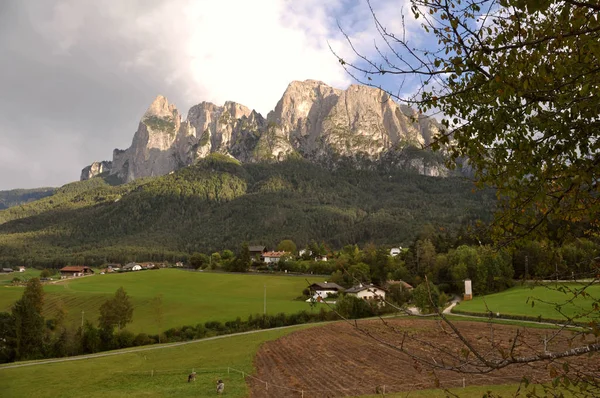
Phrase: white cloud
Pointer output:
(209, 50)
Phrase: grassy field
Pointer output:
(153, 373)
(517, 301)
(189, 298)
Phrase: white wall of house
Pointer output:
(323, 293)
(136, 267)
(370, 293)
(271, 259)
(395, 251)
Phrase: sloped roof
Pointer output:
(256, 248)
(75, 268)
(274, 254)
(326, 286)
(400, 282)
(360, 288)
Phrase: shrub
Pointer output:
(353, 307)
(142, 339)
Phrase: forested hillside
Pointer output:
(219, 203)
(16, 197)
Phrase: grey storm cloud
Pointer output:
(60, 111)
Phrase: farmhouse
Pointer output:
(367, 292)
(323, 290)
(394, 251)
(113, 267)
(7, 270)
(256, 252)
(132, 267)
(21, 268)
(75, 270)
(273, 257)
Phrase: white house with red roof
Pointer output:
(273, 257)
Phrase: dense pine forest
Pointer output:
(219, 203)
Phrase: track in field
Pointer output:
(337, 360)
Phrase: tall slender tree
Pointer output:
(29, 322)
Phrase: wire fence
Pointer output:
(274, 389)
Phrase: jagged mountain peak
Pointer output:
(160, 107)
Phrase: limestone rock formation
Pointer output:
(311, 120)
(95, 169)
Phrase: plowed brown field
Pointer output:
(338, 360)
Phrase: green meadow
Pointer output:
(158, 372)
(536, 301)
(188, 298)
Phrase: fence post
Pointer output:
(243, 375)
(152, 374)
(266, 386)
(384, 389)
(228, 370)
(302, 393)
(463, 382)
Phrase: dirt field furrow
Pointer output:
(336, 360)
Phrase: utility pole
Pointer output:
(265, 302)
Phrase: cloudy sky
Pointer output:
(77, 75)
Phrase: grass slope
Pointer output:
(130, 374)
(517, 301)
(189, 298)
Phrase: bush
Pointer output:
(353, 307)
(142, 339)
(125, 338)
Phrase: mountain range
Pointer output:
(312, 120)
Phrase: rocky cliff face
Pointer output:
(311, 120)
(95, 169)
